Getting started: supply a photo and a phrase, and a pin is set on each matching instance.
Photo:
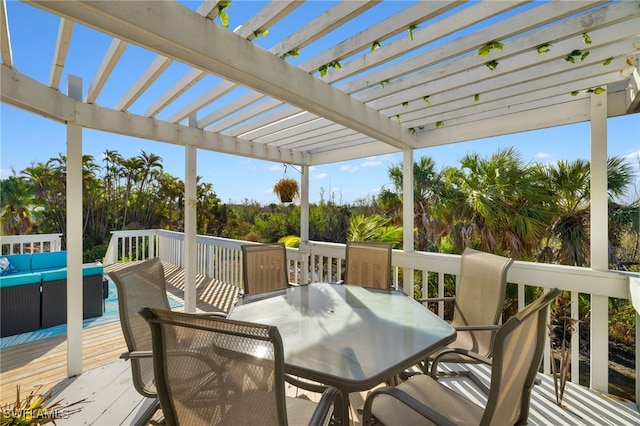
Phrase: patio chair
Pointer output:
(368, 264)
(517, 354)
(477, 305)
(139, 285)
(264, 268)
(220, 371)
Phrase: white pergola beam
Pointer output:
(151, 74)
(245, 115)
(159, 26)
(267, 17)
(26, 93)
(206, 98)
(60, 56)
(109, 62)
(5, 39)
(633, 89)
(381, 31)
(188, 80)
(323, 24)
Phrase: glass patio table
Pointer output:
(349, 337)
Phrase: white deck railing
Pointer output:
(220, 258)
(36, 243)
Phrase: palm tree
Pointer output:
(496, 204)
(16, 206)
(373, 228)
(427, 187)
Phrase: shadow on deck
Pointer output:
(111, 399)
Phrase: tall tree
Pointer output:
(16, 206)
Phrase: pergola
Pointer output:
(329, 82)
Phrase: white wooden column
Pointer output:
(599, 241)
(74, 237)
(407, 215)
(304, 224)
(190, 225)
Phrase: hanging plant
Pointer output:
(476, 97)
(439, 124)
(375, 45)
(426, 99)
(398, 118)
(286, 189)
(383, 82)
(405, 104)
(586, 38)
(607, 61)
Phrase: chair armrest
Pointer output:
(213, 314)
(136, 355)
(477, 327)
(309, 386)
(437, 299)
(408, 401)
(340, 282)
(324, 411)
(473, 355)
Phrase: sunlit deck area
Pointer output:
(110, 398)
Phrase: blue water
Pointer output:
(110, 315)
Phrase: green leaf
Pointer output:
(412, 28)
(586, 38)
(597, 90)
(492, 65)
(335, 64)
(484, 50)
(439, 124)
(607, 61)
(398, 118)
(476, 97)
(405, 104)
(261, 33)
(375, 45)
(584, 55)
(574, 53)
(224, 19)
(426, 99)
(412, 130)
(323, 70)
(383, 82)
(543, 48)
(420, 127)
(575, 93)
(293, 53)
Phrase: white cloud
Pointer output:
(349, 168)
(371, 163)
(319, 176)
(542, 156)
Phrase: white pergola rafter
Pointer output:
(162, 32)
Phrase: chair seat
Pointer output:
(425, 389)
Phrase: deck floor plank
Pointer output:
(112, 399)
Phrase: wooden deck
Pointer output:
(111, 399)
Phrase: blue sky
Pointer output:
(26, 138)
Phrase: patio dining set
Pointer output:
(355, 335)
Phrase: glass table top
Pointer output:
(347, 336)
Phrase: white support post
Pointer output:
(304, 224)
(599, 241)
(74, 237)
(190, 225)
(407, 215)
